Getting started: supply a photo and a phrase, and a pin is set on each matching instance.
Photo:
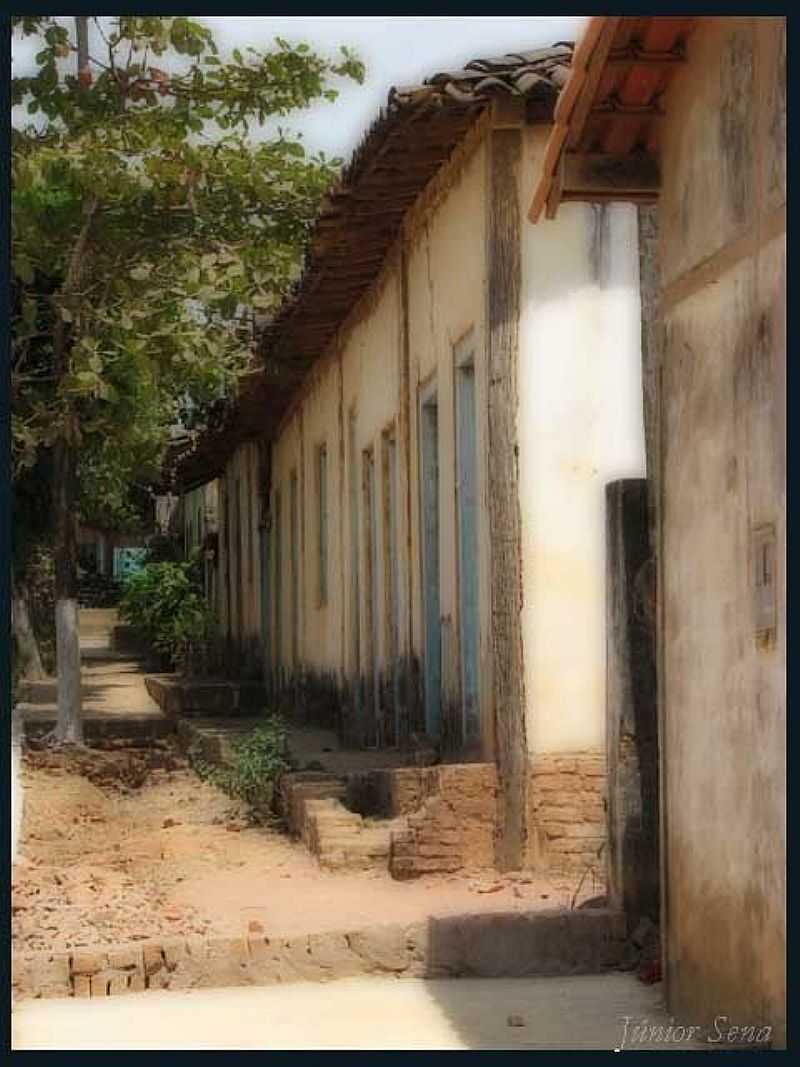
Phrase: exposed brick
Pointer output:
(445, 851)
(89, 962)
(434, 836)
(127, 958)
(118, 984)
(567, 809)
(227, 948)
(152, 958)
(81, 985)
(160, 980)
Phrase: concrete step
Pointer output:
(122, 726)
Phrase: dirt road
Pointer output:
(126, 845)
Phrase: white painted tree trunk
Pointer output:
(16, 786)
(69, 725)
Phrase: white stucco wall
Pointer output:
(580, 426)
(321, 641)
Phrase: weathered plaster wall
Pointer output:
(580, 426)
(286, 461)
(238, 572)
(430, 296)
(321, 646)
(446, 305)
(723, 478)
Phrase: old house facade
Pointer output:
(718, 426)
(412, 494)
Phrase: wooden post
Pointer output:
(503, 291)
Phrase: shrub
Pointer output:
(168, 611)
(259, 759)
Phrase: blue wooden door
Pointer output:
(467, 490)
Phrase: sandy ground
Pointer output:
(585, 1012)
(114, 850)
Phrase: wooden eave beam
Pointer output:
(634, 55)
(599, 176)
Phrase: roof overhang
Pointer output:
(604, 144)
(359, 223)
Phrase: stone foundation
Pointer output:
(485, 945)
(178, 697)
(567, 811)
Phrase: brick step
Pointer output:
(340, 839)
(354, 843)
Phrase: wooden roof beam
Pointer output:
(624, 57)
(598, 176)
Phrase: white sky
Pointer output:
(397, 50)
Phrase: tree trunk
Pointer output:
(27, 647)
(69, 726)
(82, 40)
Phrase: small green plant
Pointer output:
(169, 612)
(259, 759)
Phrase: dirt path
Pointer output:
(579, 1012)
(110, 689)
(142, 848)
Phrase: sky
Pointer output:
(397, 50)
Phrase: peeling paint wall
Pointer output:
(722, 535)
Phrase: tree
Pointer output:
(146, 228)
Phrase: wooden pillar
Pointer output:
(503, 311)
(631, 706)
